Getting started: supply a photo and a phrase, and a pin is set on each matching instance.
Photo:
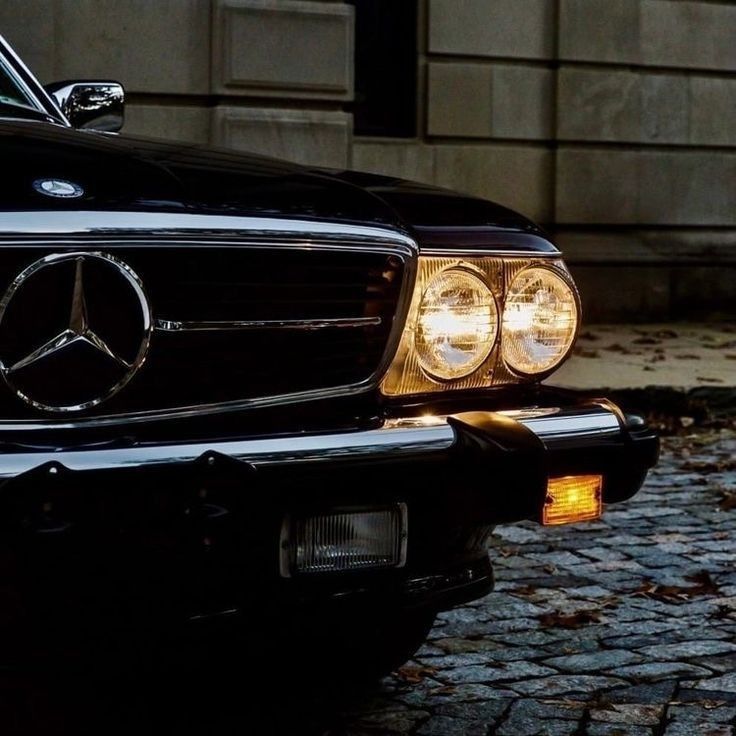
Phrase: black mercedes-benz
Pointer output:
(239, 389)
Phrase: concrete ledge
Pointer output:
(672, 369)
(640, 247)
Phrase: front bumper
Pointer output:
(193, 530)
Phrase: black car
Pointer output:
(239, 389)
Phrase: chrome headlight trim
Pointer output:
(405, 376)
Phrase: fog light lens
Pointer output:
(573, 498)
(347, 540)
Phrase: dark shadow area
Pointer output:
(251, 693)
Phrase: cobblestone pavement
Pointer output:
(623, 626)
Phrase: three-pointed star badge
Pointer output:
(78, 330)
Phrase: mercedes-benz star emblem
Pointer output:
(58, 188)
(74, 329)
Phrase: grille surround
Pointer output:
(398, 247)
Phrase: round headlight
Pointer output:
(457, 324)
(540, 319)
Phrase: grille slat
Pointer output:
(239, 283)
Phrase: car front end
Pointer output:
(234, 386)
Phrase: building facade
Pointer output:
(611, 122)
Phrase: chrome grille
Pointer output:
(238, 323)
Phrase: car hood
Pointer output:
(124, 174)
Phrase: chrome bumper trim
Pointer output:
(593, 421)
(396, 438)
(382, 442)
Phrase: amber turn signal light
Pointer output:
(572, 498)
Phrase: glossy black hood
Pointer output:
(123, 174)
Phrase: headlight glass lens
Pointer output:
(540, 320)
(457, 324)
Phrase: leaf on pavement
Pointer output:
(414, 675)
(575, 620)
(444, 690)
(703, 585)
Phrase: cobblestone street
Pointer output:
(625, 626)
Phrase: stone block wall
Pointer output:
(262, 75)
(612, 122)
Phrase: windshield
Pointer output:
(14, 101)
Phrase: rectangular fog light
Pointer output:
(345, 540)
(573, 498)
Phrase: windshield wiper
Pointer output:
(19, 110)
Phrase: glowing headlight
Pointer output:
(457, 324)
(540, 319)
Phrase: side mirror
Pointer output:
(90, 105)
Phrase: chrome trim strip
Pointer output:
(403, 248)
(490, 252)
(155, 224)
(166, 325)
(594, 421)
(276, 450)
(394, 438)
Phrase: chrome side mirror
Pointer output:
(90, 105)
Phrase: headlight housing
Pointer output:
(482, 321)
(540, 321)
(457, 324)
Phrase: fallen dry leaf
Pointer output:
(710, 466)
(414, 675)
(525, 591)
(703, 585)
(569, 620)
(728, 502)
(574, 704)
(727, 345)
(586, 353)
(707, 704)
(444, 690)
(618, 348)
